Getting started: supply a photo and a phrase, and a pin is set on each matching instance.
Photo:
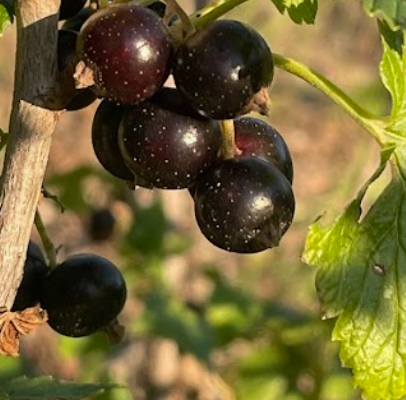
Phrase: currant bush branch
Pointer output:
(30, 132)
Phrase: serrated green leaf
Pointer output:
(361, 279)
(6, 14)
(393, 11)
(299, 10)
(47, 388)
(393, 75)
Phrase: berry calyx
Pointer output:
(126, 53)
(224, 70)
(83, 294)
(166, 143)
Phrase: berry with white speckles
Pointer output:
(225, 70)
(166, 143)
(256, 138)
(83, 294)
(105, 139)
(244, 205)
(128, 50)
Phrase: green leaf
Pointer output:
(393, 11)
(392, 70)
(47, 388)
(6, 14)
(299, 10)
(361, 279)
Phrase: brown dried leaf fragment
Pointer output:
(15, 324)
(114, 331)
(84, 76)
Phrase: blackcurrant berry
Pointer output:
(83, 294)
(129, 51)
(256, 138)
(158, 7)
(35, 270)
(101, 224)
(82, 99)
(70, 8)
(104, 139)
(167, 143)
(75, 23)
(66, 55)
(244, 205)
(224, 70)
(66, 48)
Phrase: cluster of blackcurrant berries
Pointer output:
(238, 169)
(81, 295)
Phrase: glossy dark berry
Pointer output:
(70, 8)
(76, 22)
(224, 70)
(129, 51)
(83, 294)
(167, 143)
(82, 99)
(66, 48)
(158, 7)
(244, 205)
(104, 139)
(101, 224)
(35, 270)
(66, 56)
(256, 138)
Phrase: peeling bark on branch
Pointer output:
(30, 133)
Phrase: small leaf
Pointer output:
(299, 10)
(361, 279)
(393, 11)
(47, 388)
(6, 14)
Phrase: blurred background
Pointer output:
(202, 323)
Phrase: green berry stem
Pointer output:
(229, 148)
(370, 122)
(46, 240)
(213, 11)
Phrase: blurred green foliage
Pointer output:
(287, 352)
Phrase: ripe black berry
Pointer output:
(66, 50)
(128, 49)
(101, 224)
(244, 205)
(167, 143)
(35, 270)
(75, 23)
(256, 138)
(104, 139)
(159, 8)
(83, 294)
(70, 8)
(66, 56)
(224, 70)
